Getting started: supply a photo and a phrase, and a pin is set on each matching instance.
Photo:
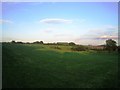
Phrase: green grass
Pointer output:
(42, 66)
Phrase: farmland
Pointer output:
(45, 66)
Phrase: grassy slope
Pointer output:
(42, 66)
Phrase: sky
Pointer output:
(87, 23)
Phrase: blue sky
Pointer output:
(83, 23)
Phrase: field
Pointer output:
(45, 66)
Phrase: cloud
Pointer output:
(63, 35)
(49, 30)
(5, 21)
(55, 21)
(110, 27)
(98, 35)
(105, 31)
(108, 37)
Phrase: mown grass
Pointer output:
(42, 66)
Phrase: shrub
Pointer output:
(118, 48)
(79, 48)
(56, 47)
(38, 42)
(13, 41)
(71, 43)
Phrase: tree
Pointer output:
(118, 49)
(79, 48)
(38, 42)
(71, 43)
(41, 42)
(13, 41)
(20, 42)
(111, 45)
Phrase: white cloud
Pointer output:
(55, 21)
(108, 37)
(5, 21)
(105, 31)
(88, 41)
(49, 30)
(98, 35)
(110, 27)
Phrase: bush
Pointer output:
(38, 42)
(13, 41)
(118, 48)
(71, 43)
(56, 47)
(79, 48)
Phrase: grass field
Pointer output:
(43, 66)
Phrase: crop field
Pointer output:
(47, 66)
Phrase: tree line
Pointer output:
(110, 46)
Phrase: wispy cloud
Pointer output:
(55, 21)
(63, 35)
(108, 37)
(5, 21)
(105, 31)
(110, 27)
(98, 35)
(49, 30)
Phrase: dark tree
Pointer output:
(13, 41)
(79, 48)
(41, 42)
(111, 45)
(71, 43)
(20, 42)
(38, 42)
(118, 48)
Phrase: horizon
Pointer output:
(79, 22)
(54, 43)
